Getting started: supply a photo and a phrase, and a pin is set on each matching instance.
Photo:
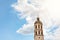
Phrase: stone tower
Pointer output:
(38, 30)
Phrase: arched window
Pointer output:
(36, 33)
(41, 26)
(40, 32)
(36, 27)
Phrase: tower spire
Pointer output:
(37, 18)
(38, 30)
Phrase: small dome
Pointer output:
(38, 21)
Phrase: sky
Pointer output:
(17, 18)
(9, 22)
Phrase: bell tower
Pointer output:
(38, 30)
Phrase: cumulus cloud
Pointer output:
(47, 10)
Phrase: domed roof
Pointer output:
(38, 21)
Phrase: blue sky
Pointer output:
(9, 22)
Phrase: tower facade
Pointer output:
(38, 30)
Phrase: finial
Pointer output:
(37, 18)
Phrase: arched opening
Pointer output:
(36, 33)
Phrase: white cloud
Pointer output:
(26, 28)
(48, 11)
